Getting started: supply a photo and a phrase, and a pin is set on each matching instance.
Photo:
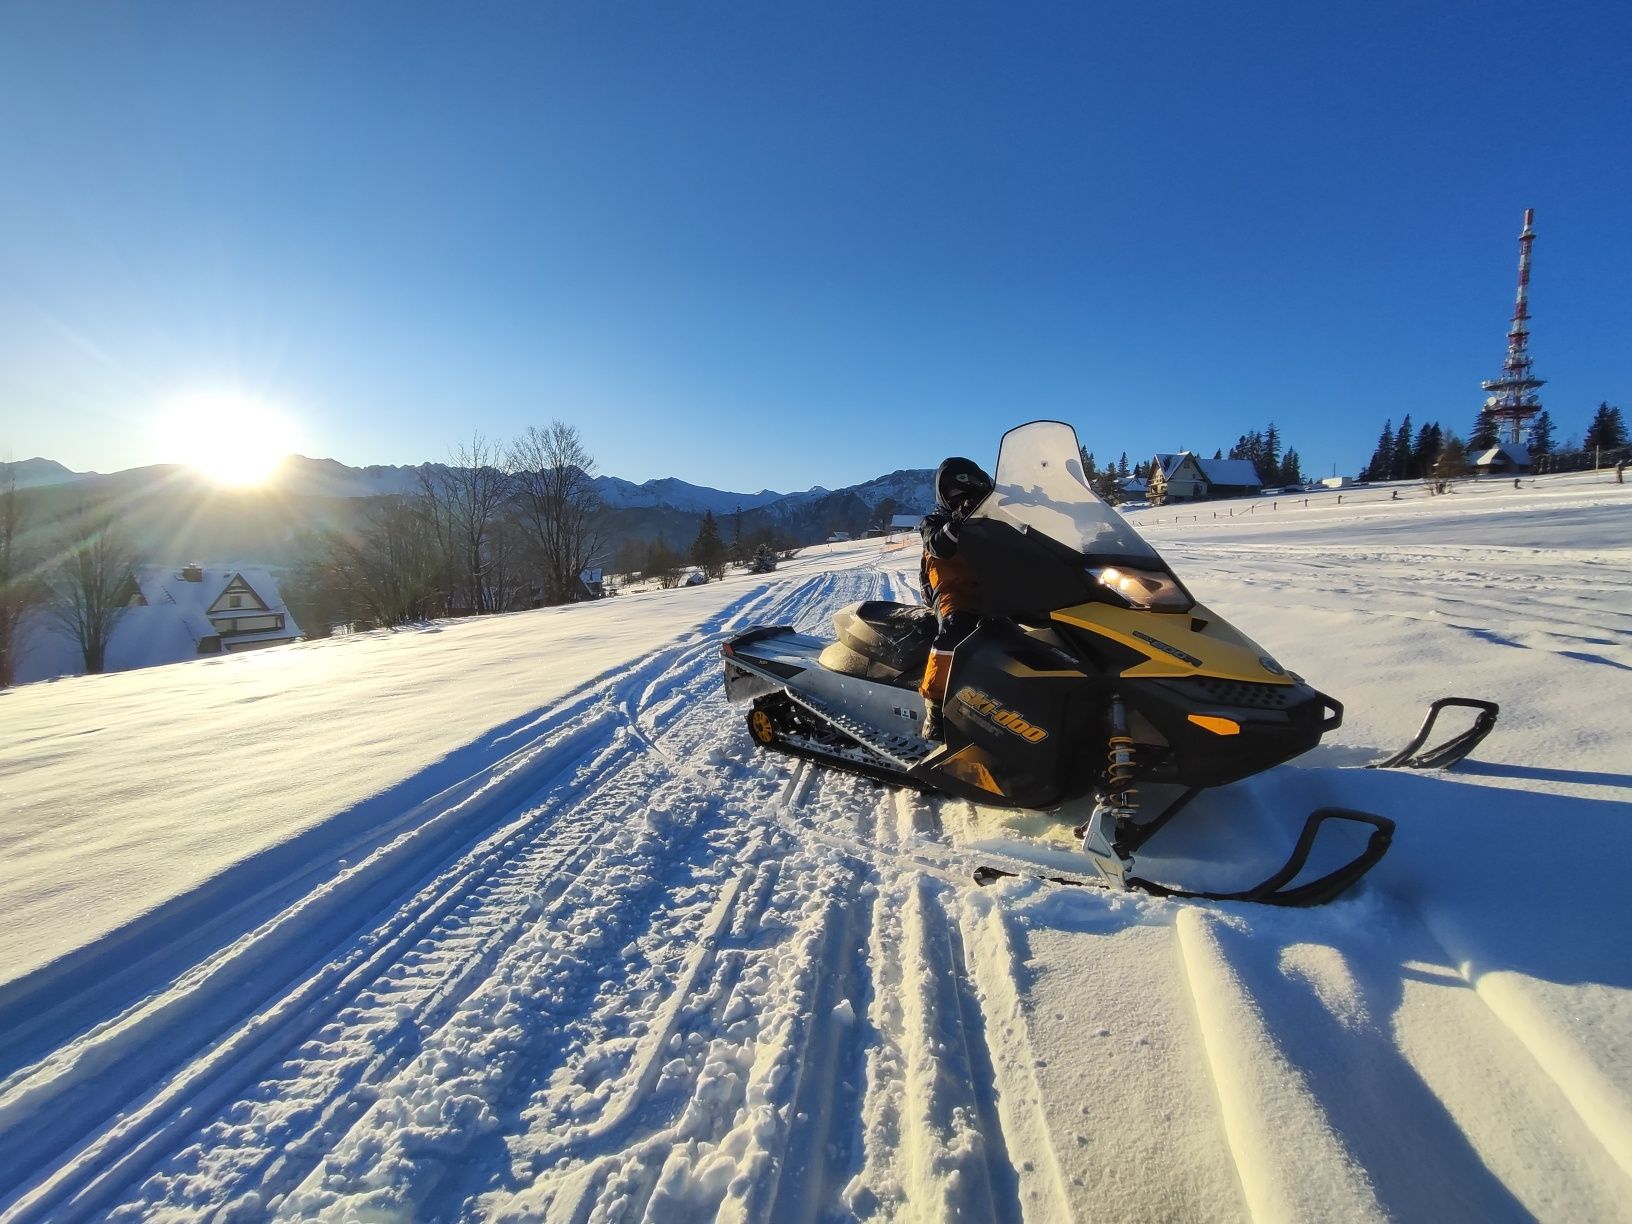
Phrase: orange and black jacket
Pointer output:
(945, 579)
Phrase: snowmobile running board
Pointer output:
(1274, 890)
(1443, 756)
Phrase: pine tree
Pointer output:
(1400, 456)
(1090, 468)
(708, 550)
(1291, 473)
(1122, 466)
(1382, 459)
(1271, 465)
(1486, 432)
(1539, 441)
(1218, 454)
(1424, 450)
(1607, 431)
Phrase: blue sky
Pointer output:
(777, 245)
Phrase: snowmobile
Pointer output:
(1093, 672)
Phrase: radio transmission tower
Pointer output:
(1513, 396)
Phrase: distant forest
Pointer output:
(1404, 454)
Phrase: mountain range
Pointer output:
(180, 515)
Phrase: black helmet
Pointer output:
(960, 484)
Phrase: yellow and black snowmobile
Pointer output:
(1093, 672)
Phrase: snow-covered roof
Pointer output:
(905, 522)
(1169, 465)
(1234, 472)
(1516, 455)
(178, 613)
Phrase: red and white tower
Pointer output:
(1513, 395)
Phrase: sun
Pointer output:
(228, 436)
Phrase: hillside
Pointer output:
(508, 919)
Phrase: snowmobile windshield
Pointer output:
(1041, 485)
(1042, 540)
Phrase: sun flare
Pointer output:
(228, 436)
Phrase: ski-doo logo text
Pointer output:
(994, 713)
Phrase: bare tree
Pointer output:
(464, 500)
(390, 571)
(553, 476)
(21, 590)
(92, 581)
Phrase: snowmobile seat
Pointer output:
(883, 641)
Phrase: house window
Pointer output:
(235, 601)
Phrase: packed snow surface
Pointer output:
(508, 919)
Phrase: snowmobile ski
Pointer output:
(1454, 749)
(1272, 891)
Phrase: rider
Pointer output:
(947, 580)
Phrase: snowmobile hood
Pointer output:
(1193, 643)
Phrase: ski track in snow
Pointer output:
(635, 969)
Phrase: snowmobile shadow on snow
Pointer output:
(1534, 773)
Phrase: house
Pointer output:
(1503, 459)
(170, 616)
(1231, 477)
(1176, 478)
(1184, 477)
(591, 584)
(223, 610)
(904, 524)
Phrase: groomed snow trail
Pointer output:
(633, 969)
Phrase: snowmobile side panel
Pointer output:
(1024, 715)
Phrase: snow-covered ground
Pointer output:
(508, 919)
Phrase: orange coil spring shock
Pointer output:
(1121, 759)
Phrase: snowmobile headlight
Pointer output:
(1142, 588)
